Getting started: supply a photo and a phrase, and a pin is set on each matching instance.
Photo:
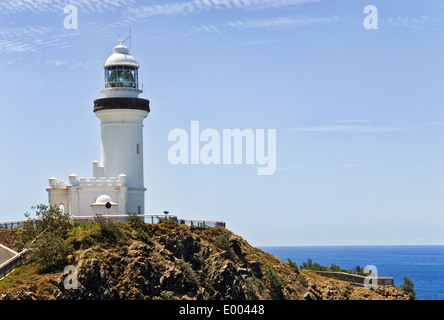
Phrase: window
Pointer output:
(138, 149)
(139, 210)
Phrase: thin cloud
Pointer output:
(279, 22)
(406, 22)
(349, 128)
(44, 6)
(29, 38)
(197, 6)
(56, 63)
(272, 23)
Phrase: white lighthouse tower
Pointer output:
(117, 185)
(121, 114)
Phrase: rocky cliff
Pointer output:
(170, 261)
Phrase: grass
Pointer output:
(27, 276)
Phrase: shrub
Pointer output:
(141, 228)
(407, 286)
(359, 270)
(191, 279)
(87, 242)
(293, 266)
(166, 295)
(109, 232)
(274, 280)
(50, 253)
(222, 243)
(198, 258)
(50, 249)
(302, 279)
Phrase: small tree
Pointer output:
(50, 249)
(407, 286)
(293, 266)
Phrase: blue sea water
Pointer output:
(424, 265)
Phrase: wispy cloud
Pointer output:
(29, 38)
(271, 23)
(86, 64)
(279, 22)
(197, 6)
(405, 22)
(354, 128)
(56, 63)
(43, 6)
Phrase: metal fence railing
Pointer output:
(8, 225)
(10, 265)
(147, 218)
(202, 223)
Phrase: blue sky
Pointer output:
(358, 113)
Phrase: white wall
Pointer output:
(122, 131)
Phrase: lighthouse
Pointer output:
(117, 185)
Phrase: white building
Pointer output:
(116, 185)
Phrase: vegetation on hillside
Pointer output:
(135, 260)
(310, 265)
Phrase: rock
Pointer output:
(255, 267)
(309, 296)
(225, 279)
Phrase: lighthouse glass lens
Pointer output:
(120, 77)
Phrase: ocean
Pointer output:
(424, 265)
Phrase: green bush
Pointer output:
(141, 228)
(222, 243)
(274, 280)
(293, 266)
(109, 233)
(166, 295)
(198, 258)
(191, 279)
(407, 286)
(51, 253)
(302, 279)
(87, 242)
(50, 249)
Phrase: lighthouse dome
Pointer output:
(121, 57)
